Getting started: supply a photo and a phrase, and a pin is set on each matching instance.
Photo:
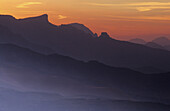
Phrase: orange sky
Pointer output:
(122, 19)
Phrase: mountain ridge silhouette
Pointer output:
(70, 41)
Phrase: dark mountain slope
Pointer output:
(7, 36)
(83, 28)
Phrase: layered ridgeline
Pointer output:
(32, 81)
(77, 41)
(159, 43)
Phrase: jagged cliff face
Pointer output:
(105, 35)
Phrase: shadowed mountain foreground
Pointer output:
(32, 81)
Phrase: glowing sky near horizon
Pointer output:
(122, 19)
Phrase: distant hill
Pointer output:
(163, 41)
(75, 42)
(138, 41)
(154, 45)
(159, 43)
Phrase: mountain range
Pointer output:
(77, 41)
(45, 67)
(159, 43)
